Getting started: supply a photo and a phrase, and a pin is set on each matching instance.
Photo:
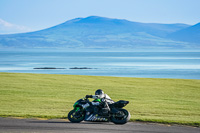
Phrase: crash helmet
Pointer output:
(100, 93)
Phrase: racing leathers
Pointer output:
(100, 101)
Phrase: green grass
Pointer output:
(52, 96)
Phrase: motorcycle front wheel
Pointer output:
(122, 116)
(76, 116)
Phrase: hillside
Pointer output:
(98, 32)
(190, 34)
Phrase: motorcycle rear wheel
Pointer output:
(76, 117)
(121, 117)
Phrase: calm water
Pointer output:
(183, 65)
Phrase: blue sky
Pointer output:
(40, 14)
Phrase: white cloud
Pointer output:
(8, 28)
(4, 23)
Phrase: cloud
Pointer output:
(9, 28)
(4, 23)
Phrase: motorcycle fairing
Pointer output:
(96, 118)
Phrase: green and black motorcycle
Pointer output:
(104, 112)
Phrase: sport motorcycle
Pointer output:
(103, 112)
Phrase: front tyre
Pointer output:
(76, 116)
(121, 117)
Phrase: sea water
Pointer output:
(182, 65)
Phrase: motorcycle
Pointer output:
(104, 112)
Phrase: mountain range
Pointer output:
(190, 34)
(101, 32)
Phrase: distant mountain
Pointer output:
(8, 28)
(99, 32)
(190, 34)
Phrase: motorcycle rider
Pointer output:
(99, 109)
(99, 94)
(101, 100)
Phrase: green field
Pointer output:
(52, 96)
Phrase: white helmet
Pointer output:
(100, 93)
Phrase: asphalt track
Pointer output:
(12, 125)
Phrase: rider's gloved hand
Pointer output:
(88, 96)
(103, 103)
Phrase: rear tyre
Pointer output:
(76, 116)
(121, 117)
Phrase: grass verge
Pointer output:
(170, 101)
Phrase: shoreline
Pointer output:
(95, 75)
